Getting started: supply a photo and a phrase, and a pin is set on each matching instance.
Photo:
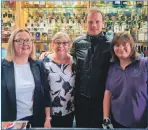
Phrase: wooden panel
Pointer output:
(4, 45)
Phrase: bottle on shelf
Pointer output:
(116, 27)
(123, 24)
(37, 52)
(109, 34)
(145, 51)
(134, 33)
(140, 35)
(138, 49)
(37, 36)
(142, 51)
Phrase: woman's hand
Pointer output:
(47, 123)
(43, 55)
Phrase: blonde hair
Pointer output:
(60, 34)
(11, 51)
(93, 10)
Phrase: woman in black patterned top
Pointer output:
(61, 79)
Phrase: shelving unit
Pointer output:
(8, 22)
(45, 20)
(129, 16)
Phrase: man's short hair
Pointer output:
(96, 10)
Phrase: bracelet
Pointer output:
(48, 118)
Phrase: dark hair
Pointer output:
(122, 38)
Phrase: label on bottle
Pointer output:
(123, 27)
(37, 35)
(146, 36)
(140, 36)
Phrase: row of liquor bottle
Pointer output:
(56, 3)
(76, 27)
(72, 27)
(135, 24)
(80, 15)
(61, 3)
(139, 35)
(130, 21)
(142, 50)
(43, 31)
(74, 22)
(42, 23)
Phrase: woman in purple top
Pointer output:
(126, 85)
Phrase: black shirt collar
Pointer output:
(94, 37)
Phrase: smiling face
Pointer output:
(122, 50)
(94, 23)
(61, 45)
(23, 44)
(123, 47)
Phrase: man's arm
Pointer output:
(73, 50)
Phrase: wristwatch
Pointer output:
(106, 121)
(107, 124)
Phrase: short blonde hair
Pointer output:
(60, 34)
(96, 10)
(11, 51)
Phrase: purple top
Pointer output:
(129, 93)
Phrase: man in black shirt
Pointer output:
(92, 56)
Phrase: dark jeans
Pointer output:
(116, 124)
(88, 112)
(63, 121)
(30, 121)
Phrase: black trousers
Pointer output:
(63, 121)
(116, 124)
(88, 112)
(30, 121)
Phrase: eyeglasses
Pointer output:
(21, 41)
(59, 43)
